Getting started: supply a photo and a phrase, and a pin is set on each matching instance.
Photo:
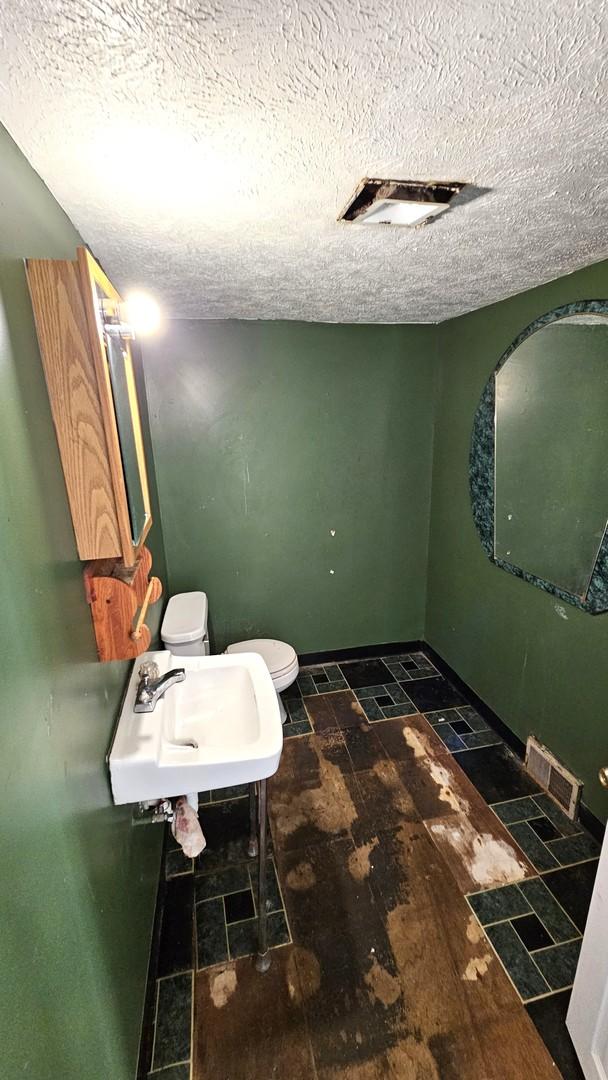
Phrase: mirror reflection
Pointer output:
(551, 452)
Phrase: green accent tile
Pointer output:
(298, 727)
(545, 905)
(397, 693)
(573, 849)
(516, 810)
(204, 797)
(306, 685)
(517, 960)
(472, 717)
(371, 710)
(558, 963)
(296, 710)
(273, 893)
(442, 716)
(531, 844)
(238, 791)
(328, 688)
(172, 1039)
(503, 903)
(210, 933)
(176, 864)
(472, 740)
(449, 737)
(173, 1072)
(551, 810)
(333, 673)
(221, 882)
(243, 936)
(363, 692)
(405, 709)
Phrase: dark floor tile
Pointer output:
(239, 906)
(549, 1016)
(496, 904)
(497, 773)
(299, 727)
(550, 913)
(516, 810)
(572, 886)
(434, 693)
(273, 894)
(472, 717)
(296, 710)
(401, 709)
(532, 845)
(243, 936)
(237, 791)
(476, 739)
(366, 673)
(174, 1072)
(532, 932)
(550, 809)
(449, 737)
(362, 692)
(572, 849)
(176, 942)
(442, 716)
(306, 684)
(544, 828)
(226, 829)
(372, 710)
(204, 797)
(384, 699)
(177, 863)
(460, 727)
(173, 1021)
(211, 942)
(517, 961)
(232, 879)
(558, 964)
(330, 711)
(320, 678)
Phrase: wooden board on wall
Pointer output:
(73, 390)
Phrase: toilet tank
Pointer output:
(184, 626)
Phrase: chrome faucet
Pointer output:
(151, 687)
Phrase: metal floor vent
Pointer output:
(544, 767)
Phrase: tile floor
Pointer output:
(396, 951)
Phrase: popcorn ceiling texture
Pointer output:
(205, 149)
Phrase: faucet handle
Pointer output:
(149, 670)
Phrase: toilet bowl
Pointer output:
(184, 632)
(280, 658)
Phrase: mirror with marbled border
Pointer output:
(482, 473)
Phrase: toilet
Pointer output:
(184, 632)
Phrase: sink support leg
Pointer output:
(262, 962)
(252, 847)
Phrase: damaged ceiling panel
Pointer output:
(205, 151)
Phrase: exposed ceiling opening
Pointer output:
(205, 151)
(399, 202)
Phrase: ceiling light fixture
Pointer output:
(399, 202)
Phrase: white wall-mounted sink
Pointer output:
(219, 727)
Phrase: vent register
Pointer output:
(544, 767)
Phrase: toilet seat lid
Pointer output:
(278, 655)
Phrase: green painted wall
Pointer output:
(268, 436)
(540, 664)
(78, 883)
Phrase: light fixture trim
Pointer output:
(375, 198)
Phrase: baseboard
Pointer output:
(359, 652)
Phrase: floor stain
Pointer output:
(223, 986)
(476, 967)
(301, 877)
(488, 861)
(303, 974)
(383, 986)
(358, 861)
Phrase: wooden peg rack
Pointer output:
(115, 593)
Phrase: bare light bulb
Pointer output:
(142, 313)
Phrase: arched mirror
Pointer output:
(539, 456)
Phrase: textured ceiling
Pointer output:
(204, 149)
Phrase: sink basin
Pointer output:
(219, 727)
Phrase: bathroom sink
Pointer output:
(219, 727)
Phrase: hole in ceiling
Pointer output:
(400, 202)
